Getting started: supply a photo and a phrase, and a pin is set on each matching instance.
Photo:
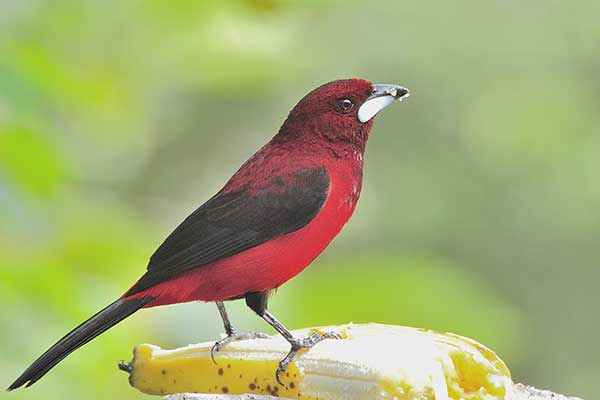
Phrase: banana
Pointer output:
(371, 361)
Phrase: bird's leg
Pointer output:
(232, 334)
(225, 318)
(258, 303)
(297, 344)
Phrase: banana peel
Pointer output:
(371, 361)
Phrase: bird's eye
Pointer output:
(343, 105)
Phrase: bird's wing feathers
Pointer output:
(232, 222)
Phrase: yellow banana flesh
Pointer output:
(371, 361)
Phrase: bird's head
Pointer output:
(341, 110)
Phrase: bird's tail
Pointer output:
(100, 322)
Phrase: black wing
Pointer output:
(230, 223)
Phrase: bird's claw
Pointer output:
(297, 346)
(235, 336)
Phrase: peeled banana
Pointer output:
(371, 361)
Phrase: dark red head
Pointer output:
(341, 110)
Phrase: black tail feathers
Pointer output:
(100, 322)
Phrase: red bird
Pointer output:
(272, 219)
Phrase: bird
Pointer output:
(271, 219)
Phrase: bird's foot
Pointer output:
(235, 336)
(301, 344)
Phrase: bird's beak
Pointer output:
(383, 95)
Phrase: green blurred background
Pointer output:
(480, 213)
